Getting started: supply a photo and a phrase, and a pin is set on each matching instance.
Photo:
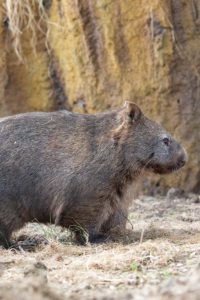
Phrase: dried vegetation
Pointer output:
(25, 16)
(157, 259)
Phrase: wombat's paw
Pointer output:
(122, 235)
(98, 239)
(175, 193)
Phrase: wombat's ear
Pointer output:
(132, 112)
(129, 114)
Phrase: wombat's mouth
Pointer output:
(166, 169)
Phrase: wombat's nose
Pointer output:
(183, 158)
(181, 163)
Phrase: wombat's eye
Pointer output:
(166, 141)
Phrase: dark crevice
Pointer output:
(90, 30)
(47, 4)
(60, 99)
(121, 47)
(176, 10)
(6, 23)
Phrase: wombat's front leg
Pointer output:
(94, 236)
(97, 238)
(117, 219)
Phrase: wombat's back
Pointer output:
(49, 134)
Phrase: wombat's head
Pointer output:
(146, 144)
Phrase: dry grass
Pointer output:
(156, 266)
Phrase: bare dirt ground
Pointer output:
(158, 258)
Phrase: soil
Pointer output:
(157, 258)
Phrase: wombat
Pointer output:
(73, 169)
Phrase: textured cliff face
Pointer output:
(92, 55)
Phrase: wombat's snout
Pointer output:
(183, 158)
(168, 156)
(178, 156)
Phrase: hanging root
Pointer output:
(25, 15)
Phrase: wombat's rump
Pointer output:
(73, 170)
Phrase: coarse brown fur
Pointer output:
(73, 169)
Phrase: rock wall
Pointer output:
(92, 55)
